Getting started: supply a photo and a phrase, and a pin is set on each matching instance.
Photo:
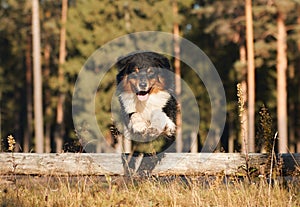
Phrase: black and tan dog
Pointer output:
(146, 95)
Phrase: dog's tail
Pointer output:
(115, 134)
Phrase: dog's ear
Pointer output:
(122, 62)
(161, 61)
(165, 63)
(143, 59)
(120, 76)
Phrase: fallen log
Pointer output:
(75, 164)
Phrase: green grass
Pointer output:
(116, 191)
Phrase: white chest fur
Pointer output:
(145, 108)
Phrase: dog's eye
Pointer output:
(150, 73)
(132, 75)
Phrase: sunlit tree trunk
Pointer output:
(281, 84)
(59, 130)
(179, 141)
(37, 79)
(194, 142)
(251, 76)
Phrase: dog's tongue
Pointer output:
(143, 97)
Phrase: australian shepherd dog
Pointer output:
(146, 95)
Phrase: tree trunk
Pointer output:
(48, 110)
(37, 78)
(28, 127)
(250, 77)
(59, 130)
(179, 141)
(281, 84)
(297, 102)
(194, 142)
(292, 113)
(231, 136)
(1, 150)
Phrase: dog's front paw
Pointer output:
(158, 120)
(137, 124)
(153, 132)
(139, 127)
(162, 123)
(170, 128)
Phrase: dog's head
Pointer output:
(144, 73)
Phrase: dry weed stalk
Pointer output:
(265, 135)
(11, 147)
(11, 143)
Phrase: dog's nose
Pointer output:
(142, 85)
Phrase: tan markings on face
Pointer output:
(127, 84)
(133, 83)
(158, 84)
(155, 82)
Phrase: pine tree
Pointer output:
(251, 77)
(281, 83)
(38, 106)
(59, 130)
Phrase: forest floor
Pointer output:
(164, 191)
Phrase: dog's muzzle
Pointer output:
(143, 95)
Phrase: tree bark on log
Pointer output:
(80, 164)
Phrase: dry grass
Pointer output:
(98, 191)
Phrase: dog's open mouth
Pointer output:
(143, 95)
